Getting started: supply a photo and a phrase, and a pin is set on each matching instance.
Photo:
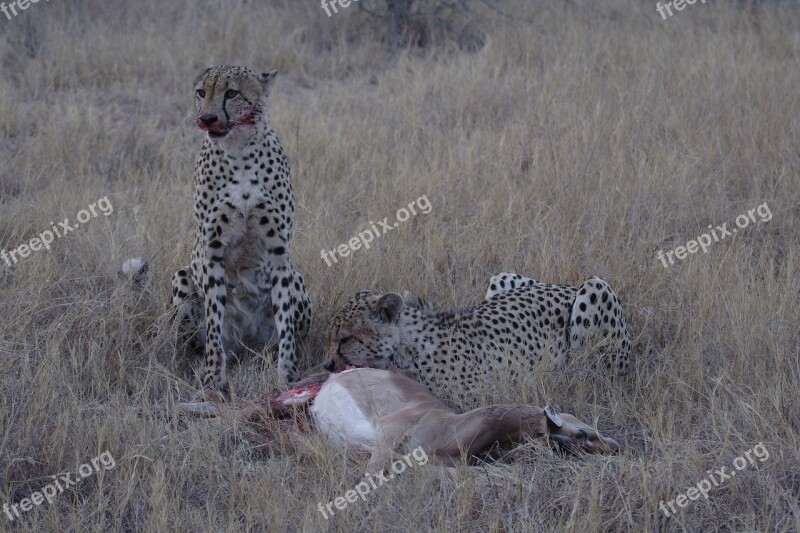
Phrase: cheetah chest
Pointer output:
(247, 237)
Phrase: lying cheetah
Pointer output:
(521, 319)
(240, 286)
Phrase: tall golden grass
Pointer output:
(580, 140)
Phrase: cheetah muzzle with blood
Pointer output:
(240, 288)
(523, 325)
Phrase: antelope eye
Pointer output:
(230, 93)
(580, 435)
(201, 93)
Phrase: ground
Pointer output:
(581, 140)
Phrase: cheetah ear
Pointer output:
(389, 307)
(203, 74)
(552, 418)
(267, 79)
(363, 293)
(412, 300)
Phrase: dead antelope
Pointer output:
(377, 410)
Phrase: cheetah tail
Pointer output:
(136, 271)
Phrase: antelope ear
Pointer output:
(552, 418)
(612, 444)
(389, 306)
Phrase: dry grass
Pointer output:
(578, 143)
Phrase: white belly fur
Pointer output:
(337, 415)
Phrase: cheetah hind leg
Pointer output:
(597, 321)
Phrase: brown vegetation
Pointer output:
(582, 138)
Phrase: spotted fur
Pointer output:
(521, 320)
(240, 287)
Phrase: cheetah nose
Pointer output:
(329, 366)
(208, 119)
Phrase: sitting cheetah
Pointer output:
(240, 286)
(521, 319)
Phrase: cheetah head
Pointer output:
(365, 332)
(230, 100)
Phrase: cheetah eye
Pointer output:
(345, 340)
(201, 93)
(230, 93)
